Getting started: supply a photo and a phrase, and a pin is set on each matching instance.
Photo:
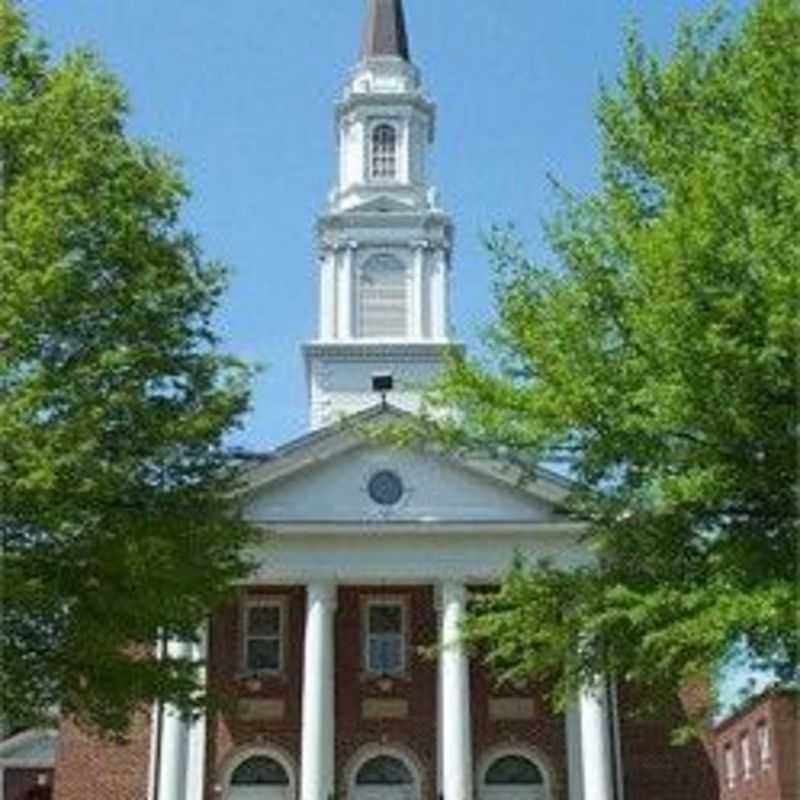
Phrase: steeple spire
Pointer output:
(385, 32)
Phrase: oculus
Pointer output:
(385, 488)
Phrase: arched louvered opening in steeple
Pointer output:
(383, 299)
(383, 152)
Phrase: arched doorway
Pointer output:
(514, 776)
(259, 777)
(385, 777)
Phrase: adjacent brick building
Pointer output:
(27, 758)
(757, 749)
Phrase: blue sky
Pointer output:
(243, 93)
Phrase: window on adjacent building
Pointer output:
(729, 765)
(384, 647)
(383, 165)
(747, 760)
(764, 749)
(383, 299)
(263, 635)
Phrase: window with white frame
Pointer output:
(263, 635)
(729, 765)
(383, 161)
(764, 748)
(747, 760)
(383, 299)
(385, 636)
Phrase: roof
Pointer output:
(340, 437)
(33, 747)
(755, 702)
(385, 31)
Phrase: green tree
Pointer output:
(657, 354)
(115, 514)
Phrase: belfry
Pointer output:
(384, 242)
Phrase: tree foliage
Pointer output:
(657, 353)
(115, 515)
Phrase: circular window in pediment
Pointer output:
(385, 488)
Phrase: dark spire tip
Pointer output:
(385, 33)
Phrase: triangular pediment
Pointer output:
(383, 203)
(325, 477)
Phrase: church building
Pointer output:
(334, 689)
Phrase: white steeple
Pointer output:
(384, 242)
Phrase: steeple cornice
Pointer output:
(385, 33)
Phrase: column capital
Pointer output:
(322, 593)
(450, 591)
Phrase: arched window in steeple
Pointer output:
(383, 161)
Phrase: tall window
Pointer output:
(747, 761)
(764, 749)
(383, 299)
(384, 650)
(730, 766)
(263, 635)
(384, 152)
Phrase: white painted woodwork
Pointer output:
(174, 760)
(595, 744)
(317, 736)
(369, 218)
(196, 755)
(572, 721)
(454, 724)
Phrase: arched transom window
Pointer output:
(383, 161)
(514, 771)
(383, 299)
(384, 771)
(260, 771)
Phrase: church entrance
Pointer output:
(514, 777)
(259, 778)
(385, 777)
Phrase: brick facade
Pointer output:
(654, 769)
(89, 769)
(774, 777)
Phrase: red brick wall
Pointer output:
(226, 731)
(415, 735)
(653, 767)
(23, 784)
(89, 769)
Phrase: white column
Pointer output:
(174, 740)
(454, 725)
(572, 722)
(439, 296)
(595, 744)
(327, 296)
(317, 760)
(196, 743)
(347, 293)
(417, 306)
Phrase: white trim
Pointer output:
(236, 757)
(528, 752)
(250, 601)
(369, 751)
(392, 601)
(474, 529)
(616, 722)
